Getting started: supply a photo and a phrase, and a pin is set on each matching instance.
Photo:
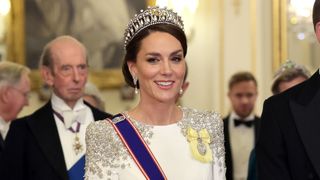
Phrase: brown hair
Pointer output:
(316, 13)
(133, 47)
(241, 77)
(287, 76)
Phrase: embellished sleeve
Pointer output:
(219, 167)
(212, 123)
(103, 151)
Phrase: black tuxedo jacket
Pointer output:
(1, 144)
(228, 146)
(33, 150)
(288, 147)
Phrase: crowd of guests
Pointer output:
(72, 137)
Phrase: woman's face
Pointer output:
(159, 67)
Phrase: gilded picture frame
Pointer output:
(293, 35)
(279, 32)
(18, 39)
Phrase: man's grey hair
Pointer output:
(11, 73)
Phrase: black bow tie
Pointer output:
(238, 122)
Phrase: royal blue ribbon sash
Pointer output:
(137, 148)
(76, 172)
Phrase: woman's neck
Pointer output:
(160, 114)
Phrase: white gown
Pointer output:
(107, 157)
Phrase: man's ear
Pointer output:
(5, 95)
(317, 30)
(132, 68)
(47, 75)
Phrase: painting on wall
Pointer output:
(99, 25)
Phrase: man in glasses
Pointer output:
(14, 90)
(50, 143)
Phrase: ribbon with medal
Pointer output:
(199, 144)
(77, 146)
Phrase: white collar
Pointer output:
(4, 127)
(60, 105)
(234, 115)
(70, 115)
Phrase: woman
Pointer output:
(156, 139)
(289, 75)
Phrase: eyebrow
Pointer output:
(158, 54)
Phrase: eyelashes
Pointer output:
(154, 60)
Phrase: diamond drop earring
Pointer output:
(135, 80)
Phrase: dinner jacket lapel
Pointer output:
(1, 143)
(306, 113)
(43, 126)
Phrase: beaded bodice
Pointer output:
(107, 152)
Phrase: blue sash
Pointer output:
(137, 148)
(76, 172)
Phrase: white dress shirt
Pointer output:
(241, 142)
(80, 113)
(4, 127)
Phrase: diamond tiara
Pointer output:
(151, 16)
(290, 66)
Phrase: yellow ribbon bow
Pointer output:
(199, 144)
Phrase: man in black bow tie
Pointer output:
(241, 125)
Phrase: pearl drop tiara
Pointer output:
(148, 17)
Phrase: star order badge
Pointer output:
(77, 146)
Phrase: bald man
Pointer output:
(50, 144)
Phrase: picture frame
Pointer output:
(293, 35)
(279, 35)
(30, 29)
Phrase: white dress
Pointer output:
(107, 157)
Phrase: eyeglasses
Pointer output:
(24, 94)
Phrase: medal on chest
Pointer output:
(77, 146)
(199, 144)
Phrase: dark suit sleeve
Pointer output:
(270, 149)
(228, 156)
(13, 159)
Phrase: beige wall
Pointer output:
(224, 42)
(228, 40)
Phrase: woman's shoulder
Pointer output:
(198, 120)
(101, 135)
(99, 128)
(205, 116)
(206, 122)
(104, 148)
